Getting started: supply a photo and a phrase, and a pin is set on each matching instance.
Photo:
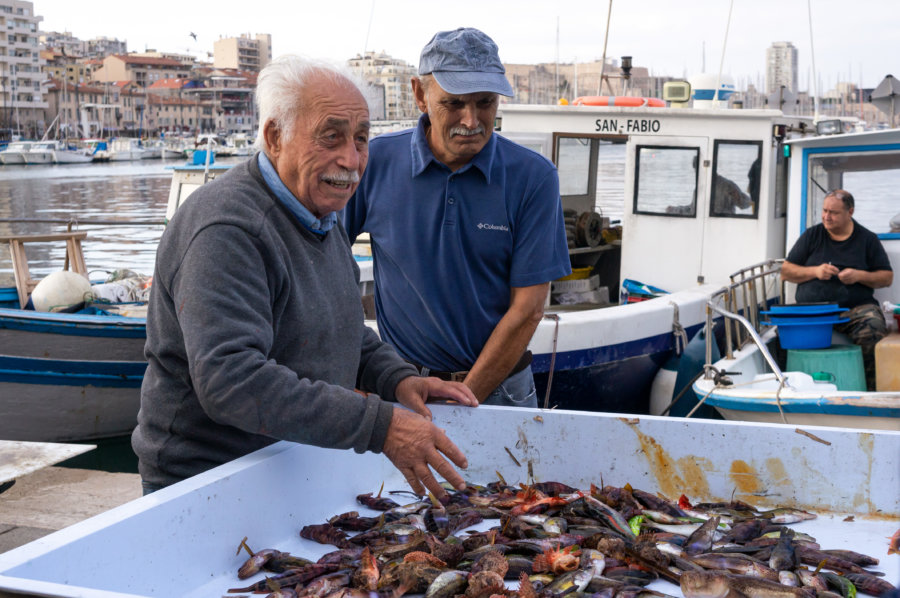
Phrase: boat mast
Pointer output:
(603, 60)
(812, 53)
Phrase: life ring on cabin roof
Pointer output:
(621, 101)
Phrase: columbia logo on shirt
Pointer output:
(484, 226)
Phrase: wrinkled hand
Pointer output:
(826, 271)
(849, 276)
(415, 446)
(414, 391)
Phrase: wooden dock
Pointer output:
(52, 498)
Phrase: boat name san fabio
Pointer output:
(630, 125)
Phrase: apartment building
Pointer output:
(243, 53)
(143, 70)
(22, 98)
(781, 67)
(390, 78)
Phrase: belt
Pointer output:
(459, 376)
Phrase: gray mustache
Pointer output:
(467, 132)
(341, 176)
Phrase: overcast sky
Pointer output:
(854, 40)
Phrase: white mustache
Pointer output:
(341, 177)
(466, 132)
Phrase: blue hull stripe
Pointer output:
(584, 358)
(794, 405)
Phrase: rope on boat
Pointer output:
(678, 331)
(555, 318)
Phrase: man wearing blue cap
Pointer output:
(467, 227)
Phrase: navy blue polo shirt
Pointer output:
(448, 246)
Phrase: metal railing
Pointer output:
(748, 295)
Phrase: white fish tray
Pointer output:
(181, 541)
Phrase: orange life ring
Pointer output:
(626, 101)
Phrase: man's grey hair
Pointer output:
(279, 89)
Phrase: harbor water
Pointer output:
(129, 197)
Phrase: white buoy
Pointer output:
(60, 291)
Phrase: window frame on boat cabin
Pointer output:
(584, 198)
(739, 177)
(865, 159)
(682, 210)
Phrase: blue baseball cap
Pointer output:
(464, 61)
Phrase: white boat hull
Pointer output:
(39, 157)
(72, 157)
(12, 157)
(755, 396)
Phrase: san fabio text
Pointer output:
(631, 125)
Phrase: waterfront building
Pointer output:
(101, 47)
(22, 99)
(547, 83)
(142, 70)
(243, 53)
(225, 97)
(170, 114)
(63, 43)
(781, 67)
(390, 78)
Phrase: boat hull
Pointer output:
(68, 377)
(755, 395)
(48, 400)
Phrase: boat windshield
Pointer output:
(872, 176)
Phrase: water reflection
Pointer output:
(132, 193)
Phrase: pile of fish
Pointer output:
(557, 541)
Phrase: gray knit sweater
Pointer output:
(255, 333)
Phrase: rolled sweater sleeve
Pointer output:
(227, 292)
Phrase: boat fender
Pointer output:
(60, 291)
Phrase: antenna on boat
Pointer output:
(722, 60)
(603, 60)
(812, 53)
(369, 28)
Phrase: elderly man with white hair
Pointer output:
(255, 329)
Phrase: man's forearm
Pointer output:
(877, 279)
(797, 274)
(508, 340)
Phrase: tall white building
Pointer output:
(243, 53)
(22, 99)
(781, 67)
(389, 76)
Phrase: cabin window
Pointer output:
(573, 157)
(666, 180)
(871, 176)
(735, 179)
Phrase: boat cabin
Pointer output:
(703, 189)
(868, 165)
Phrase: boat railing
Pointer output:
(740, 304)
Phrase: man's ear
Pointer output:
(419, 94)
(272, 134)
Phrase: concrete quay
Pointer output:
(56, 497)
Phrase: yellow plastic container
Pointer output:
(887, 363)
(577, 274)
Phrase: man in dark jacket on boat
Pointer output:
(255, 328)
(467, 227)
(840, 261)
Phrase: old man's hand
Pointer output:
(414, 391)
(417, 447)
